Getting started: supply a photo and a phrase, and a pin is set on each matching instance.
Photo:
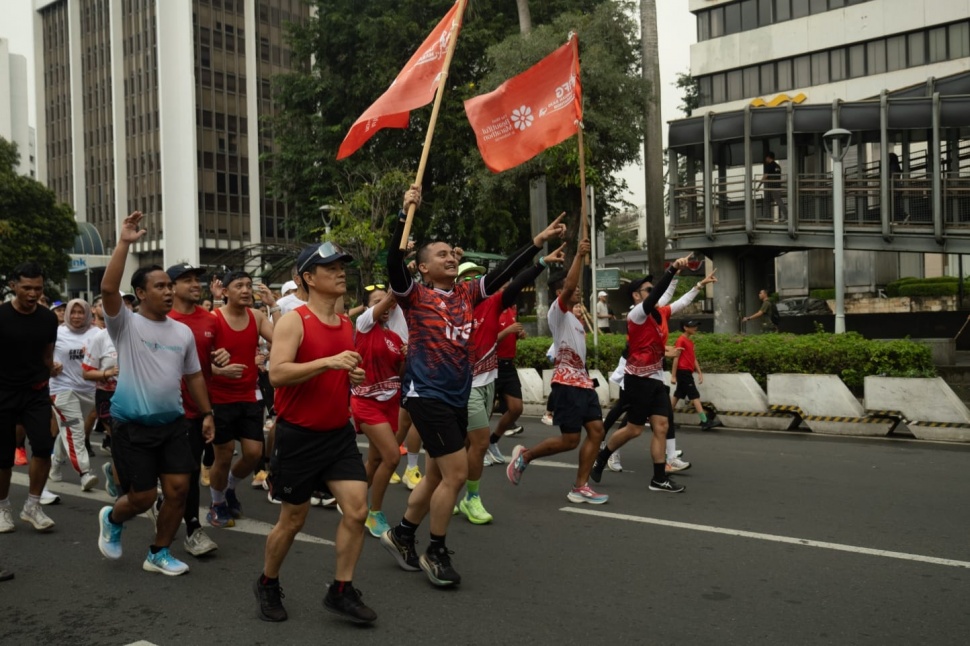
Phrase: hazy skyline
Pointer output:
(677, 33)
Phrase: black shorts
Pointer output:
(102, 404)
(647, 397)
(240, 421)
(142, 453)
(442, 428)
(507, 382)
(29, 407)
(686, 388)
(573, 407)
(304, 461)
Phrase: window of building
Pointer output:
(767, 73)
(704, 89)
(876, 57)
(751, 81)
(783, 74)
(764, 12)
(817, 6)
(703, 26)
(719, 88)
(205, 58)
(749, 15)
(857, 61)
(895, 53)
(936, 45)
(735, 86)
(799, 8)
(732, 19)
(802, 71)
(837, 64)
(959, 40)
(782, 10)
(820, 68)
(916, 48)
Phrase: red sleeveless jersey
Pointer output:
(205, 329)
(485, 340)
(381, 359)
(647, 341)
(242, 347)
(323, 402)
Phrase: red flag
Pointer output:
(535, 110)
(414, 87)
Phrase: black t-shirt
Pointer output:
(25, 339)
(772, 171)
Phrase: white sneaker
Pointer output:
(199, 543)
(676, 464)
(495, 453)
(547, 419)
(89, 481)
(55, 473)
(34, 515)
(276, 501)
(48, 498)
(487, 460)
(6, 520)
(614, 462)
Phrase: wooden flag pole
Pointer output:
(453, 41)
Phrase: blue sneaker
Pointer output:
(586, 494)
(164, 563)
(109, 538)
(109, 480)
(219, 516)
(232, 501)
(376, 523)
(516, 465)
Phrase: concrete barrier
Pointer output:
(932, 410)
(741, 403)
(533, 401)
(603, 390)
(825, 404)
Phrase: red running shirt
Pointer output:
(687, 359)
(242, 347)
(205, 329)
(485, 340)
(381, 359)
(506, 347)
(323, 402)
(647, 342)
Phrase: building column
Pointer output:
(77, 112)
(726, 291)
(252, 114)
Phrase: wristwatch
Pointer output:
(204, 415)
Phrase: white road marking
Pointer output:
(771, 537)
(244, 525)
(141, 643)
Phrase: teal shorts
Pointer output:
(480, 403)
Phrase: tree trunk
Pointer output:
(525, 18)
(653, 139)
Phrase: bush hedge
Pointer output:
(823, 294)
(850, 356)
(936, 286)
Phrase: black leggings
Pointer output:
(198, 444)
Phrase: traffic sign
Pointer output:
(608, 278)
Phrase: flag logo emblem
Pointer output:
(522, 117)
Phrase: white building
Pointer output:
(154, 105)
(13, 107)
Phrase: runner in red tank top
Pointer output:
(312, 366)
(238, 413)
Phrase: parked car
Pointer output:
(802, 306)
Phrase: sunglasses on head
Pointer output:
(371, 288)
(325, 250)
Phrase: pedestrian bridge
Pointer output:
(920, 204)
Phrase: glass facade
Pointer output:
(57, 87)
(746, 15)
(98, 121)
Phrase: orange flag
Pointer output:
(530, 112)
(414, 87)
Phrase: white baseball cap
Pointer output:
(288, 286)
(602, 294)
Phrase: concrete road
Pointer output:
(780, 539)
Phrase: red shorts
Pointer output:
(367, 410)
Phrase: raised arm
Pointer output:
(397, 273)
(689, 297)
(529, 276)
(575, 270)
(511, 266)
(111, 281)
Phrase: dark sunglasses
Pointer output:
(325, 250)
(371, 288)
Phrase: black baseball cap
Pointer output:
(177, 271)
(637, 284)
(689, 323)
(321, 254)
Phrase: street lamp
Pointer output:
(326, 216)
(837, 143)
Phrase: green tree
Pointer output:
(33, 224)
(352, 51)
(690, 100)
(618, 234)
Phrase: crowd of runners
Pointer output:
(179, 388)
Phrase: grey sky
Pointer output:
(677, 33)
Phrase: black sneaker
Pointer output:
(349, 605)
(232, 501)
(667, 485)
(437, 565)
(401, 550)
(596, 473)
(90, 449)
(270, 599)
(711, 424)
(106, 445)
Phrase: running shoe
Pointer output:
(270, 599)
(232, 502)
(487, 460)
(348, 604)
(106, 445)
(679, 453)
(437, 565)
(259, 480)
(199, 543)
(109, 480)
(204, 476)
(711, 424)
(411, 477)
(163, 562)
(275, 501)
(596, 472)
(90, 449)
(676, 464)
(20, 457)
(376, 523)
(614, 463)
(586, 494)
(474, 511)
(513, 430)
(667, 485)
(49, 498)
(402, 550)
(219, 516)
(6, 520)
(495, 453)
(109, 537)
(55, 474)
(517, 465)
(547, 419)
(89, 481)
(395, 478)
(34, 515)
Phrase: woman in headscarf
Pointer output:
(73, 396)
